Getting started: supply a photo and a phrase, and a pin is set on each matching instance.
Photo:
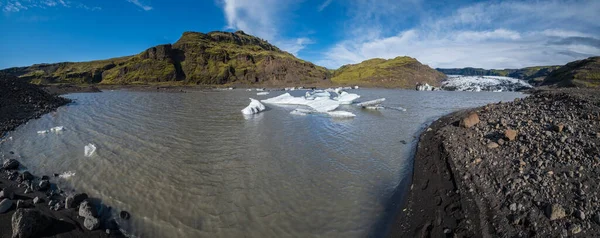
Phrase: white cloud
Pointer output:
(324, 5)
(488, 35)
(140, 5)
(263, 18)
(21, 5)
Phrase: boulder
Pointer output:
(29, 222)
(469, 121)
(596, 218)
(10, 164)
(74, 200)
(91, 223)
(26, 176)
(124, 215)
(7, 193)
(510, 134)
(44, 185)
(555, 212)
(5, 205)
(87, 209)
(37, 200)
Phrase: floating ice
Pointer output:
(57, 128)
(374, 107)
(254, 107)
(310, 95)
(341, 114)
(66, 175)
(355, 87)
(346, 98)
(424, 87)
(89, 150)
(371, 103)
(43, 132)
(301, 112)
(262, 93)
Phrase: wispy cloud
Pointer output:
(140, 5)
(22, 5)
(263, 18)
(324, 5)
(489, 35)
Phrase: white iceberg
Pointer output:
(374, 107)
(371, 103)
(43, 132)
(341, 114)
(262, 93)
(346, 98)
(254, 107)
(66, 175)
(320, 104)
(89, 150)
(316, 93)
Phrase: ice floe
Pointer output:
(341, 114)
(254, 107)
(346, 98)
(371, 103)
(89, 150)
(262, 93)
(53, 129)
(484, 83)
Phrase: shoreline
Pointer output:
(481, 181)
(32, 206)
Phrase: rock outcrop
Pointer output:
(582, 73)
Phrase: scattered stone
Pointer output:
(5, 205)
(574, 228)
(469, 121)
(10, 164)
(124, 215)
(26, 176)
(27, 191)
(73, 201)
(510, 134)
(91, 223)
(37, 200)
(44, 185)
(579, 214)
(493, 145)
(558, 127)
(548, 133)
(51, 203)
(500, 142)
(513, 207)
(29, 222)
(596, 218)
(555, 211)
(7, 192)
(87, 209)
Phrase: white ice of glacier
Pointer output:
(254, 107)
(319, 104)
(483, 83)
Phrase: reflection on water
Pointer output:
(191, 165)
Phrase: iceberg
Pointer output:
(319, 104)
(43, 132)
(57, 128)
(89, 150)
(322, 104)
(371, 103)
(262, 93)
(254, 107)
(346, 98)
(341, 114)
(316, 93)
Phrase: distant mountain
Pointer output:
(533, 75)
(404, 72)
(581, 73)
(214, 58)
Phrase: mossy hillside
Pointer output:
(581, 73)
(215, 58)
(403, 72)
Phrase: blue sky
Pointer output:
(488, 34)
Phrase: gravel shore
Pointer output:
(32, 206)
(528, 168)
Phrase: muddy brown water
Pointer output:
(191, 165)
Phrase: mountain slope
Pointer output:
(534, 75)
(403, 72)
(214, 58)
(581, 73)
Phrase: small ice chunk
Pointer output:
(66, 175)
(341, 114)
(89, 150)
(254, 107)
(374, 107)
(355, 87)
(262, 93)
(311, 95)
(371, 103)
(43, 132)
(346, 98)
(57, 128)
(398, 108)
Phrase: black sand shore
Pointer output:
(33, 206)
(528, 168)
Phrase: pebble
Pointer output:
(492, 145)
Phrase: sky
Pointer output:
(330, 33)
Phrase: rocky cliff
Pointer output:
(196, 58)
(582, 73)
(404, 72)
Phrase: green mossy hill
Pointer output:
(534, 75)
(404, 72)
(215, 58)
(582, 73)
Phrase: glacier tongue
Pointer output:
(484, 83)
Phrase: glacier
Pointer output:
(484, 83)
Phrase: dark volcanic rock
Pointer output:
(29, 223)
(10, 164)
(87, 209)
(5, 205)
(73, 201)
